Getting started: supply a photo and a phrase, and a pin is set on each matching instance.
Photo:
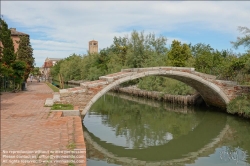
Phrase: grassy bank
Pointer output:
(62, 107)
(240, 105)
(54, 88)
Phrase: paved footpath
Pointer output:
(30, 132)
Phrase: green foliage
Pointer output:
(25, 53)
(62, 107)
(245, 41)
(55, 70)
(147, 50)
(54, 88)
(240, 105)
(7, 51)
(5, 69)
(179, 54)
(206, 59)
(17, 65)
(19, 70)
(166, 85)
(70, 68)
(36, 72)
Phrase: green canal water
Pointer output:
(126, 130)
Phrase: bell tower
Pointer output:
(93, 46)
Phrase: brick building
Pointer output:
(49, 62)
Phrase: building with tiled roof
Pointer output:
(49, 62)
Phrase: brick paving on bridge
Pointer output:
(28, 127)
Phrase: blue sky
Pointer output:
(60, 28)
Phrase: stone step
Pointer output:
(56, 97)
(49, 102)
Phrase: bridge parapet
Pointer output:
(93, 84)
(138, 70)
(205, 76)
(112, 77)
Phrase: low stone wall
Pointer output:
(231, 89)
(178, 99)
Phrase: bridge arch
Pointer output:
(210, 92)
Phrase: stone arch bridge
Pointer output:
(214, 92)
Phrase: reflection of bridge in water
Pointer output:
(111, 157)
(207, 135)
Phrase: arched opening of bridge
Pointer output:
(210, 92)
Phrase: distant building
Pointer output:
(49, 62)
(93, 46)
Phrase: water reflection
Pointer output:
(126, 132)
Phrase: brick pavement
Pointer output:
(28, 127)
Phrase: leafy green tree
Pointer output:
(208, 60)
(7, 50)
(55, 70)
(19, 68)
(25, 53)
(70, 68)
(245, 40)
(179, 54)
(36, 71)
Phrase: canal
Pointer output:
(126, 130)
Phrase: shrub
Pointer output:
(240, 105)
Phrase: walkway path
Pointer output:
(32, 130)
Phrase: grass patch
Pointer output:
(62, 107)
(71, 146)
(54, 88)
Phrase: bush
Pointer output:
(166, 85)
(240, 105)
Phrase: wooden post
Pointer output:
(60, 80)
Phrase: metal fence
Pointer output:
(7, 84)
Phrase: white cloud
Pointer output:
(66, 27)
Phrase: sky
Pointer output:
(58, 29)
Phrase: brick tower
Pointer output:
(93, 47)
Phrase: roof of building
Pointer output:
(14, 32)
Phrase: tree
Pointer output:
(179, 54)
(70, 68)
(7, 51)
(245, 41)
(36, 71)
(25, 53)
(19, 71)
